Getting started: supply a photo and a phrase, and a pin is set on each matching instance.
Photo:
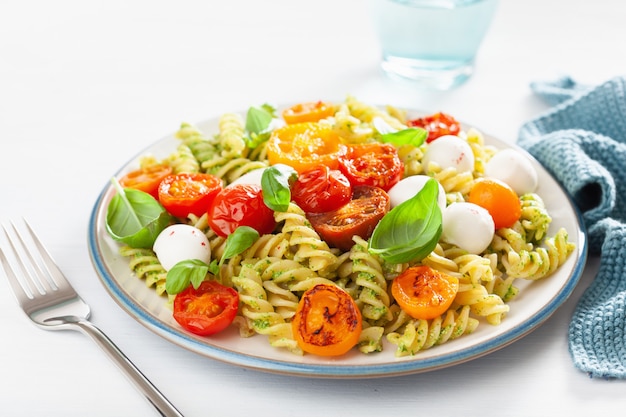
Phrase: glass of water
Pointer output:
(431, 42)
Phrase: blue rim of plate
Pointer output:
(330, 370)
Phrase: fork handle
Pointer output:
(152, 394)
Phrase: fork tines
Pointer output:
(40, 275)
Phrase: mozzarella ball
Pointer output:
(450, 151)
(468, 226)
(252, 177)
(181, 242)
(513, 168)
(407, 187)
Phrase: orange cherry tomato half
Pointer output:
(499, 199)
(438, 124)
(207, 310)
(357, 217)
(321, 189)
(240, 205)
(327, 321)
(308, 112)
(187, 193)
(376, 164)
(146, 179)
(423, 292)
(303, 146)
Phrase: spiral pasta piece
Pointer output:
(202, 148)
(289, 274)
(476, 268)
(482, 153)
(503, 288)
(400, 319)
(419, 335)
(481, 302)
(371, 339)
(229, 169)
(259, 313)
(373, 299)
(309, 249)
(146, 266)
(535, 218)
(350, 127)
(411, 156)
(366, 113)
(183, 160)
(231, 135)
(437, 260)
(452, 181)
(540, 262)
(510, 239)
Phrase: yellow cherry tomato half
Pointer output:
(303, 146)
(308, 112)
(498, 199)
(327, 322)
(423, 292)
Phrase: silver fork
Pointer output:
(51, 303)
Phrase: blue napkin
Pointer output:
(582, 142)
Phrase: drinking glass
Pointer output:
(431, 42)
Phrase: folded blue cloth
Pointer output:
(582, 142)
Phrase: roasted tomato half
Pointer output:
(438, 124)
(376, 164)
(303, 146)
(357, 217)
(327, 321)
(184, 194)
(321, 189)
(240, 205)
(146, 179)
(423, 292)
(308, 112)
(207, 310)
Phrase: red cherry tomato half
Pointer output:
(240, 205)
(358, 217)
(146, 179)
(184, 194)
(207, 310)
(376, 164)
(438, 124)
(321, 189)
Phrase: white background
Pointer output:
(85, 85)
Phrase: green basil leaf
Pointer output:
(135, 218)
(411, 230)
(258, 119)
(241, 239)
(412, 136)
(258, 122)
(190, 271)
(214, 267)
(276, 184)
(253, 140)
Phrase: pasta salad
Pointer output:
(328, 227)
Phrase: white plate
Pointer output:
(535, 303)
